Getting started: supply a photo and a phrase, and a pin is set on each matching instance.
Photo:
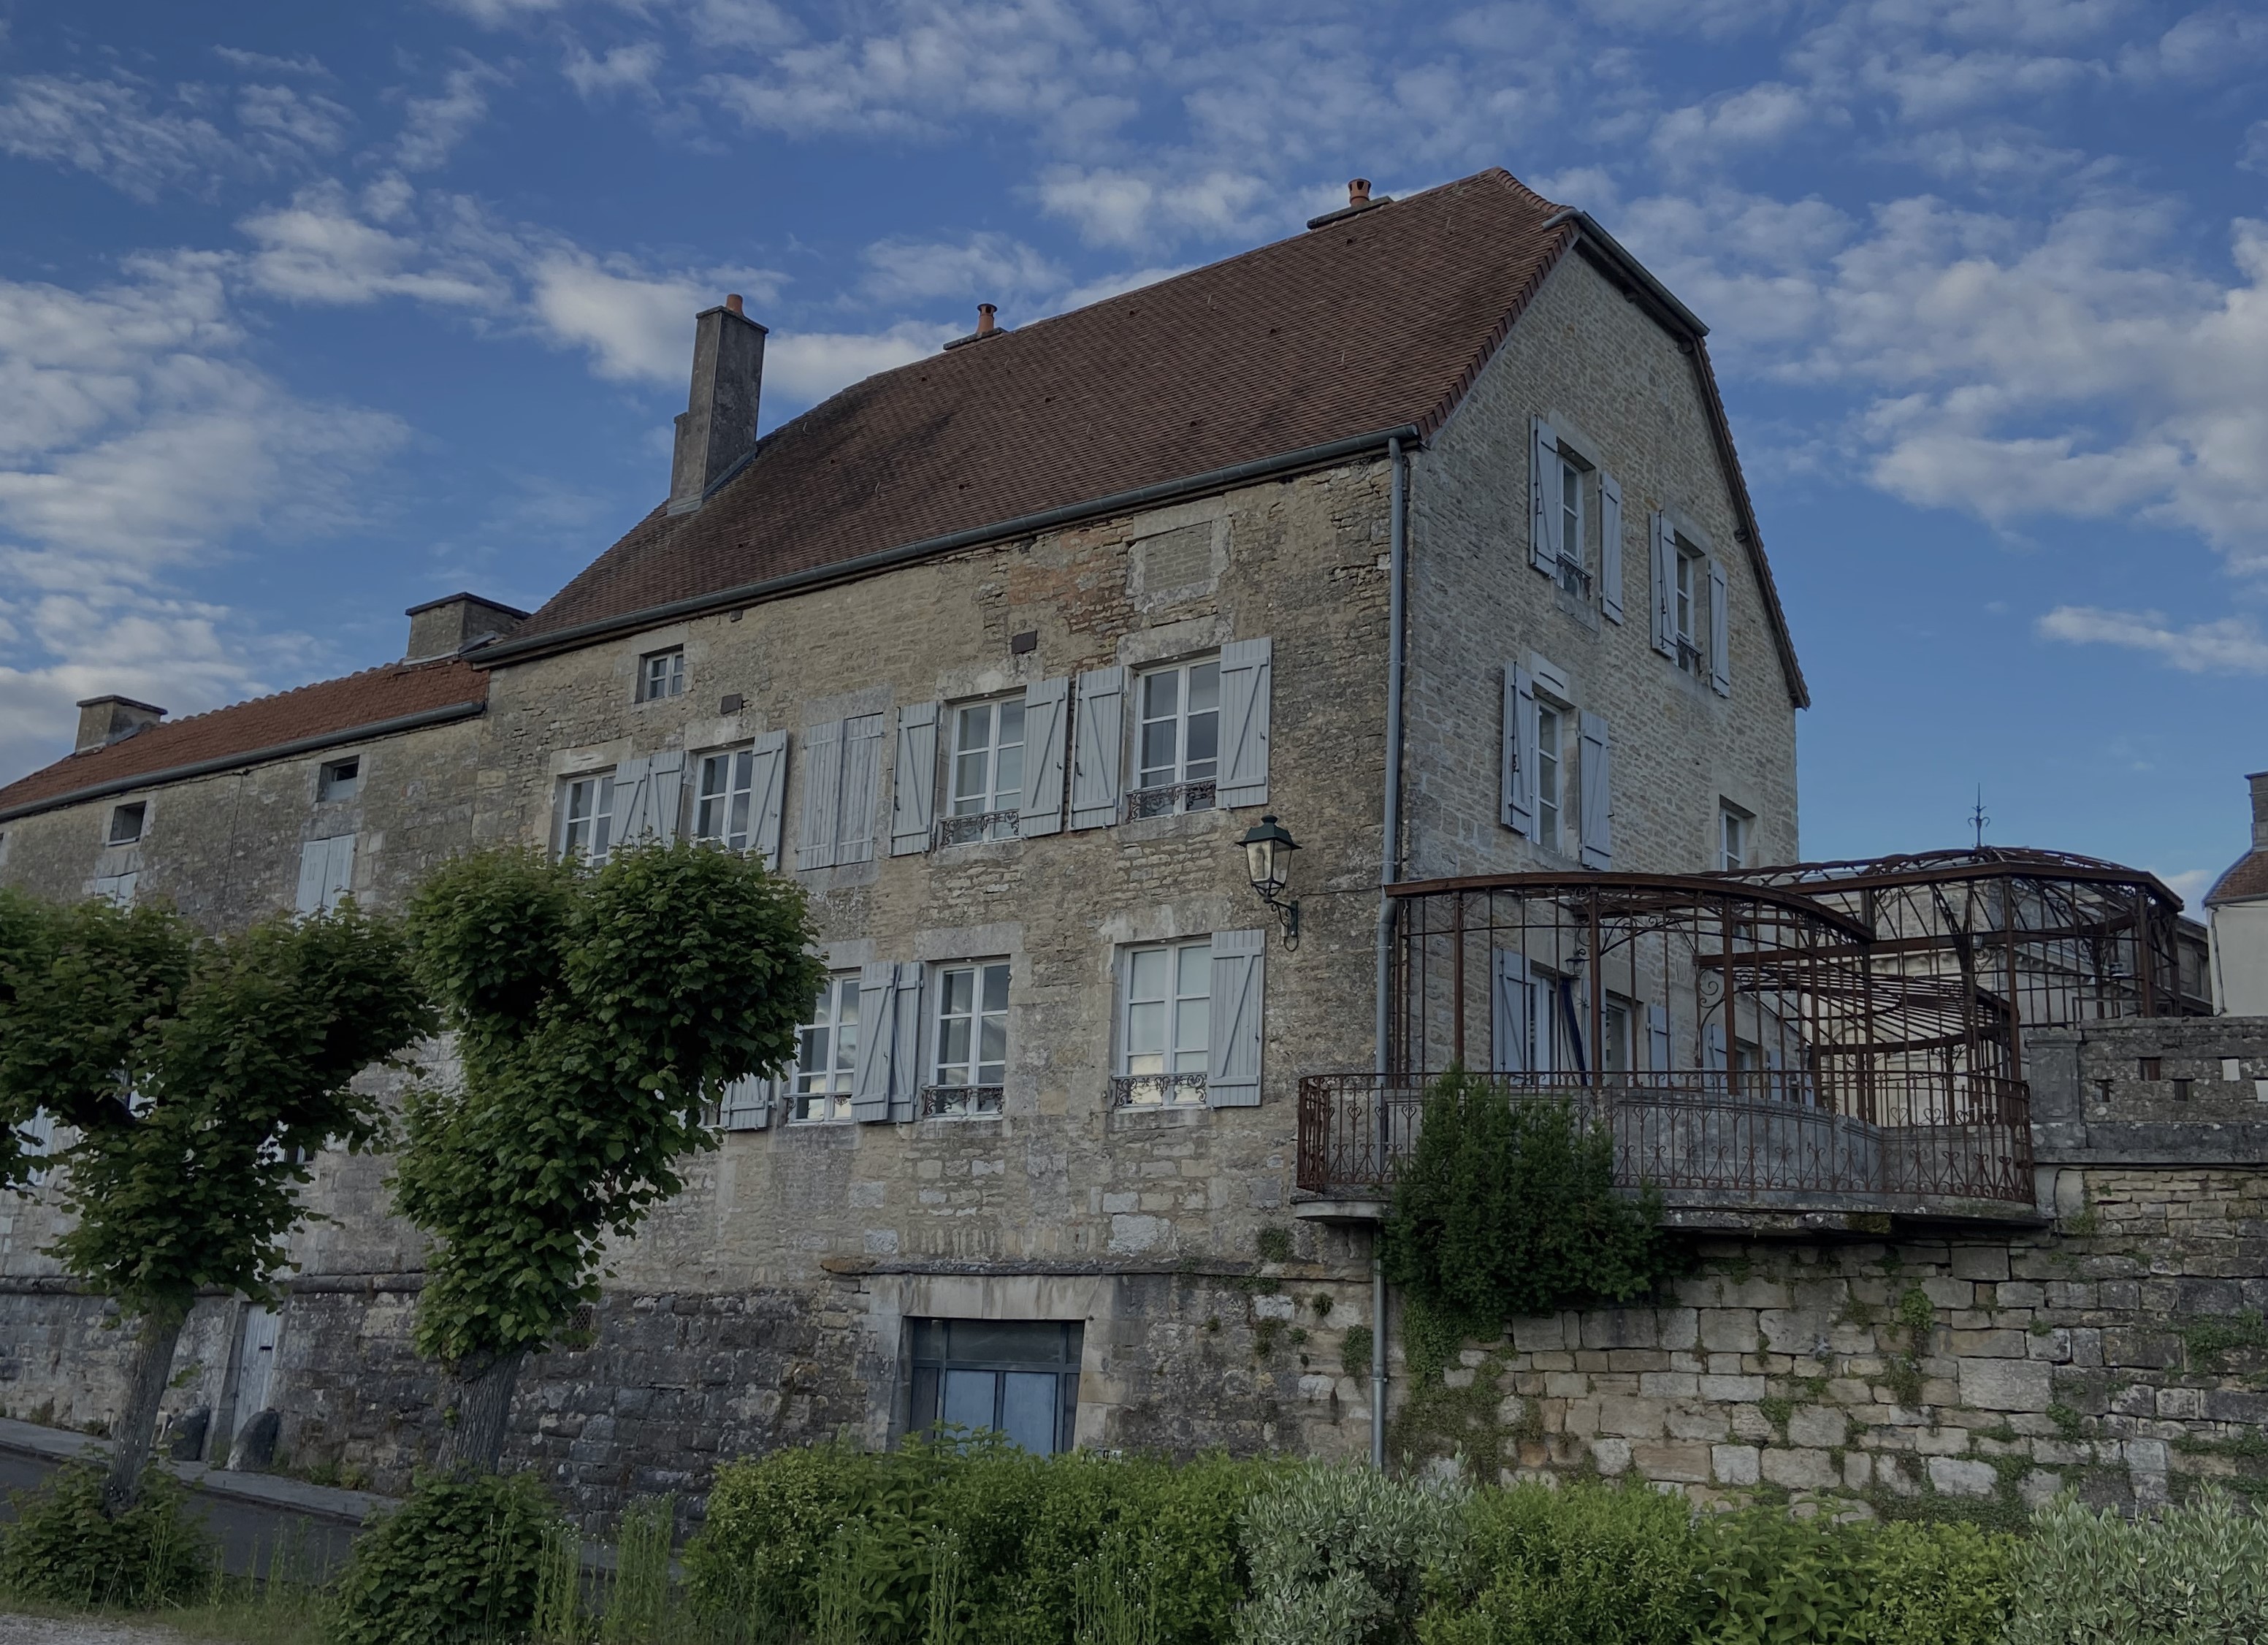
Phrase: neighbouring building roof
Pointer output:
(1378, 320)
(331, 711)
(2246, 879)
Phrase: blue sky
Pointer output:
(309, 312)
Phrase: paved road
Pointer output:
(82, 1631)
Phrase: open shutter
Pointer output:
(913, 784)
(1720, 633)
(1044, 703)
(1512, 1011)
(862, 788)
(906, 1066)
(746, 1104)
(1543, 502)
(1240, 961)
(1610, 547)
(338, 869)
(1098, 748)
(1660, 547)
(666, 794)
(870, 1078)
(633, 786)
(1531, 760)
(768, 785)
(1657, 1039)
(822, 796)
(314, 871)
(1518, 798)
(1246, 673)
(1598, 791)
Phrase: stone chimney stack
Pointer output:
(457, 622)
(2259, 781)
(718, 427)
(103, 720)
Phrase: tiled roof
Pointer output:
(2246, 879)
(1376, 321)
(327, 709)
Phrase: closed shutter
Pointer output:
(665, 795)
(862, 789)
(907, 1068)
(913, 784)
(1542, 501)
(870, 1078)
(1044, 703)
(768, 786)
(633, 782)
(1518, 798)
(1098, 748)
(1512, 1011)
(1240, 963)
(1598, 796)
(1246, 668)
(1661, 548)
(1720, 633)
(746, 1104)
(314, 870)
(1610, 547)
(338, 869)
(1657, 1038)
(822, 796)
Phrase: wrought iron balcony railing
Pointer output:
(1158, 1090)
(945, 1101)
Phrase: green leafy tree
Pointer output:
(597, 1014)
(1507, 1208)
(197, 1076)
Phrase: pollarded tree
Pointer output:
(598, 1014)
(196, 1077)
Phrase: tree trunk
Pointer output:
(137, 1423)
(481, 1407)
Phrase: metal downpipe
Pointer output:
(1389, 871)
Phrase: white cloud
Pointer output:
(806, 367)
(624, 69)
(636, 325)
(115, 130)
(2226, 646)
(433, 126)
(2255, 156)
(261, 63)
(318, 249)
(1112, 207)
(986, 268)
(1756, 117)
(2188, 884)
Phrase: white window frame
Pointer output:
(1169, 790)
(1618, 1042)
(334, 783)
(733, 824)
(1573, 505)
(1736, 839)
(818, 1086)
(969, 1093)
(990, 811)
(1689, 603)
(661, 675)
(599, 819)
(1179, 1081)
(139, 809)
(1552, 720)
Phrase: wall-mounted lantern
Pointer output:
(1268, 848)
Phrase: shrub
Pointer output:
(2196, 1575)
(1774, 1579)
(1582, 1564)
(65, 1549)
(462, 1560)
(1338, 1555)
(1507, 1208)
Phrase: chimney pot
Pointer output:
(103, 720)
(732, 302)
(984, 313)
(1359, 191)
(718, 425)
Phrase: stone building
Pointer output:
(1421, 534)
(2238, 902)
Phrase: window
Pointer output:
(661, 673)
(1017, 1378)
(1164, 1032)
(340, 779)
(325, 874)
(1574, 576)
(586, 816)
(2152, 1067)
(125, 822)
(827, 1052)
(1550, 765)
(1686, 606)
(1733, 827)
(1616, 1018)
(970, 1064)
(987, 782)
(1177, 740)
(721, 797)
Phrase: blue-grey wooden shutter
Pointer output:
(1240, 963)
(1712, 1047)
(908, 1069)
(1512, 1011)
(338, 870)
(1720, 633)
(633, 783)
(1661, 546)
(913, 784)
(1519, 796)
(870, 1076)
(822, 796)
(314, 869)
(1657, 1038)
(1598, 795)
(664, 805)
(1044, 703)
(1610, 547)
(766, 786)
(746, 1104)
(862, 788)
(1246, 668)
(1543, 499)
(1098, 748)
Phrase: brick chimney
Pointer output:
(2259, 781)
(718, 427)
(457, 622)
(103, 720)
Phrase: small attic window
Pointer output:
(341, 779)
(661, 673)
(125, 822)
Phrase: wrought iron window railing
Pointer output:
(1574, 577)
(1168, 799)
(940, 1102)
(974, 826)
(1158, 1090)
